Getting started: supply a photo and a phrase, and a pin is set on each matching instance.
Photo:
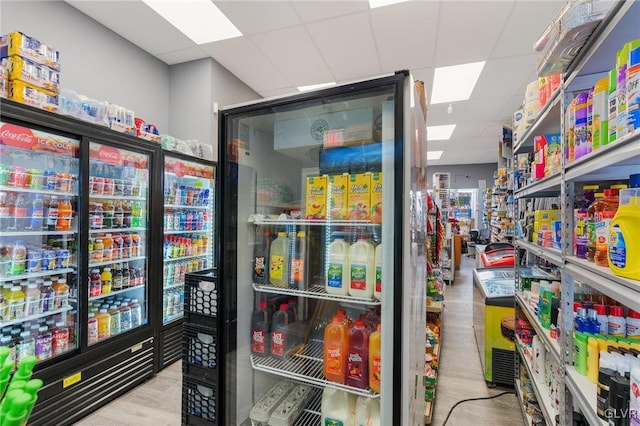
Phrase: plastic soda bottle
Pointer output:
(65, 215)
(375, 360)
(335, 352)
(361, 267)
(299, 262)
(279, 261)
(377, 287)
(281, 342)
(261, 330)
(337, 276)
(337, 407)
(358, 356)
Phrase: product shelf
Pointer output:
(551, 345)
(178, 285)
(35, 233)
(315, 292)
(196, 256)
(543, 397)
(615, 161)
(436, 306)
(171, 318)
(201, 231)
(547, 121)
(34, 317)
(116, 230)
(546, 187)
(116, 292)
(94, 197)
(584, 395)
(525, 417)
(314, 222)
(36, 274)
(553, 255)
(312, 414)
(305, 365)
(37, 191)
(112, 262)
(180, 206)
(624, 290)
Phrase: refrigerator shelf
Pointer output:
(37, 191)
(94, 197)
(314, 222)
(33, 317)
(36, 233)
(111, 262)
(180, 284)
(315, 292)
(115, 292)
(116, 230)
(305, 366)
(201, 231)
(180, 206)
(37, 274)
(175, 259)
(171, 318)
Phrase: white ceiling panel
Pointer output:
(468, 30)
(527, 22)
(293, 52)
(183, 55)
(493, 129)
(505, 76)
(483, 110)
(468, 131)
(439, 114)
(279, 92)
(310, 11)
(347, 45)
(410, 45)
(254, 17)
(156, 36)
(245, 64)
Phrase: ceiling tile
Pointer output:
(438, 114)
(466, 131)
(527, 22)
(254, 17)
(505, 76)
(183, 55)
(347, 45)
(310, 11)
(486, 109)
(469, 30)
(493, 129)
(293, 52)
(124, 17)
(410, 45)
(244, 65)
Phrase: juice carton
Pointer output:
(335, 352)
(316, 197)
(337, 196)
(358, 356)
(376, 197)
(375, 360)
(359, 196)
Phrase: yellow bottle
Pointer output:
(624, 236)
(279, 261)
(593, 360)
(375, 360)
(107, 280)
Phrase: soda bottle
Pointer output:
(335, 353)
(65, 215)
(117, 278)
(92, 328)
(136, 218)
(375, 360)
(358, 356)
(299, 262)
(361, 266)
(108, 214)
(36, 213)
(60, 339)
(126, 217)
(260, 256)
(281, 342)
(53, 213)
(279, 261)
(20, 213)
(5, 213)
(118, 215)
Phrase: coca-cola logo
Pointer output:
(17, 136)
(179, 169)
(109, 155)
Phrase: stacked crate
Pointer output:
(200, 349)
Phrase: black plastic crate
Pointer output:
(199, 352)
(199, 402)
(201, 293)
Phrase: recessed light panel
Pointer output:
(434, 155)
(455, 83)
(380, 3)
(440, 133)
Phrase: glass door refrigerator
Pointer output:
(189, 192)
(322, 256)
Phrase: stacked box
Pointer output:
(4, 79)
(33, 71)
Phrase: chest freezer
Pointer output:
(498, 257)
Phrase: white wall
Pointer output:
(465, 176)
(95, 61)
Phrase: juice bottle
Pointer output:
(260, 330)
(104, 324)
(61, 293)
(65, 215)
(116, 278)
(605, 210)
(44, 344)
(18, 258)
(358, 356)
(107, 251)
(32, 300)
(624, 238)
(377, 288)
(335, 351)
(281, 341)
(60, 339)
(106, 280)
(375, 360)
(337, 407)
(136, 313)
(367, 411)
(299, 262)
(361, 267)
(98, 251)
(25, 346)
(46, 297)
(116, 319)
(337, 276)
(95, 285)
(279, 261)
(126, 276)
(15, 301)
(125, 317)
(137, 249)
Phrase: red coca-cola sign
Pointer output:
(179, 169)
(17, 136)
(109, 155)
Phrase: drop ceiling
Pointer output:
(286, 44)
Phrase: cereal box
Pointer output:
(376, 197)
(337, 196)
(316, 197)
(359, 196)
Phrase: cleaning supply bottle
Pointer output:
(613, 105)
(591, 226)
(337, 275)
(602, 318)
(624, 238)
(600, 125)
(617, 323)
(605, 210)
(622, 59)
(633, 325)
(580, 218)
(592, 359)
(580, 353)
(633, 87)
(580, 127)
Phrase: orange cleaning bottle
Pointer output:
(375, 360)
(335, 351)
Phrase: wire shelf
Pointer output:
(315, 292)
(305, 365)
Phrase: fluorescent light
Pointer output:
(434, 155)
(316, 86)
(440, 133)
(380, 3)
(200, 20)
(455, 83)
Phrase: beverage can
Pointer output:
(4, 174)
(62, 258)
(49, 259)
(18, 177)
(109, 186)
(98, 185)
(64, 182)
(34, 261)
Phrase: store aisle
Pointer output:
(460, 372)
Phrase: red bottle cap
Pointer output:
(610, 192)
(341, 312)
(576, 306)
(284, 306)
(616, 311)
(263, 305)
(600, 309)
(336, 319)
(634, 314)
(359, 324)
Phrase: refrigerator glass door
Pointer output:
(38, 242)
(188, 228)
(118, 230)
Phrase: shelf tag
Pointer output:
(136, 348)
(71, 380)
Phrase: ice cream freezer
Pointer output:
(494, 323)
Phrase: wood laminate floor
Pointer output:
(158, 401)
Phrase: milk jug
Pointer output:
(338, 408)
(337, 276)
(377, 287)
(361, 267)
(367, 411)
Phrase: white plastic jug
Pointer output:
(337, 276)
(338, 408)
(367, 411)
(377, 285)
(361, 269)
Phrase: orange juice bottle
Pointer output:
(65, 215)
(335, 351)
(104, 324)
(374, 360)
(107, 251)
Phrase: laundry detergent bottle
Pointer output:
(624, 237)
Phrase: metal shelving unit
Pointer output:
(584, 395)
(546, 122)
(550, 344)
(315, 292)
(553, 255)
(544, 187)
(543, 397)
